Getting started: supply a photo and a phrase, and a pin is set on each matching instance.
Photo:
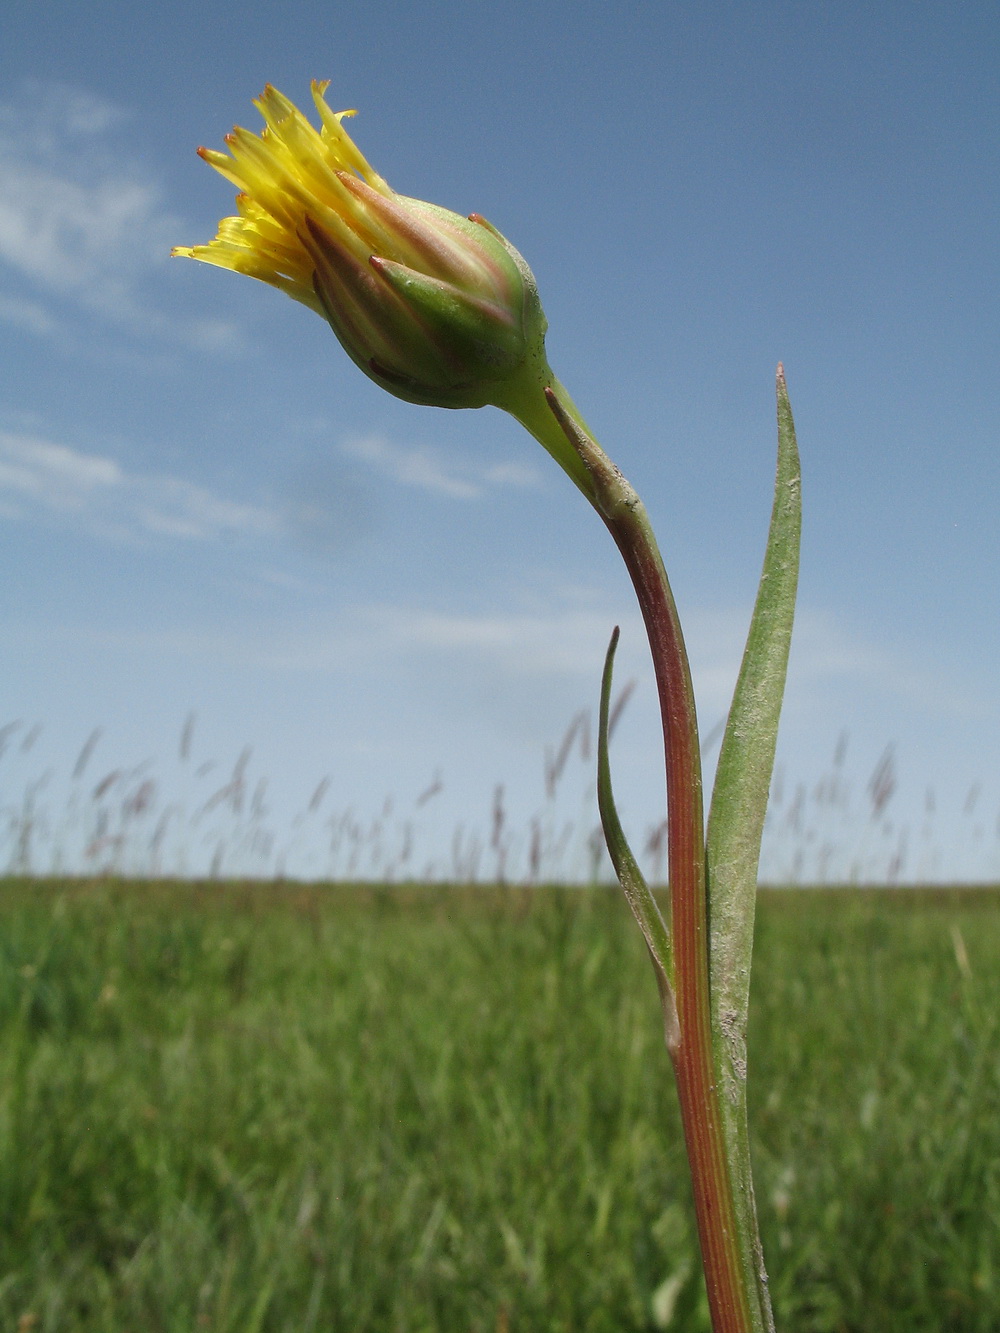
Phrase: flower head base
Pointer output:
(435, 307)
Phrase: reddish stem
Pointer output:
(698, 1093)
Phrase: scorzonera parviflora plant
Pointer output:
(440, 309)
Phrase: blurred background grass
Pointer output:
(186, 814)
(290, 1108)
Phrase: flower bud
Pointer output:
(435, 307)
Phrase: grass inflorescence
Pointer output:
(189, 814)
(246, 1108)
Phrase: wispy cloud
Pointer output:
(27, 315)
(427, 469)
(74, 218)
(564, 644)
(43, 479)
(81, 219)
(829, 654)
(562, 641)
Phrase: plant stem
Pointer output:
(730, 1302)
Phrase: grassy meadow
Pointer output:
(271, 1107)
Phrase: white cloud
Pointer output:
(558, 641)
(39, 477)
(426, 469)
(87, 239)
(829, 654)
(27, 315)
(558, 645)
(519, 475)
(215, 336)
(81, 219)
(59, 476)
(75, 218)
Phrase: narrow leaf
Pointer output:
(736, 825)
(746, 761)
(630, 877)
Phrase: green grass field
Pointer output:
(284, 1108)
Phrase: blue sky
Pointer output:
(206, 509)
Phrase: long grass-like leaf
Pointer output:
(630, 877)
(736, 821)
(746, 761)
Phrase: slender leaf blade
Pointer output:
(746, 761)
(630, 877)
(735, 828)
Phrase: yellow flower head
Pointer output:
(435, 307)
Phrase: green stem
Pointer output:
(722, 1244)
